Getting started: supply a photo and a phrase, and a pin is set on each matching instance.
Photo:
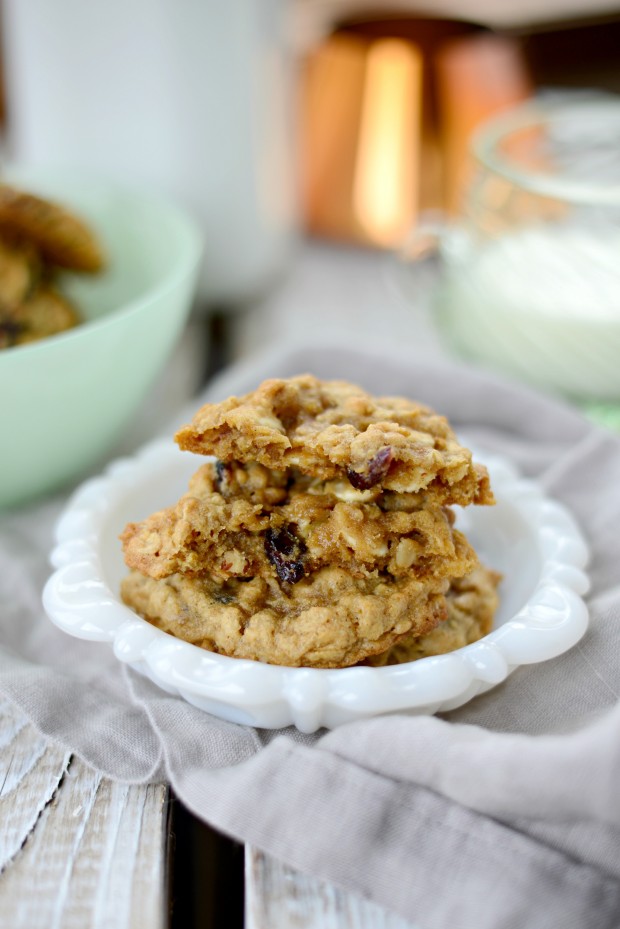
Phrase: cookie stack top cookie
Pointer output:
(336, 431)
(321, 534)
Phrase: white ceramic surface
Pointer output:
(531, 539)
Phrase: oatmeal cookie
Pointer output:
(471, 603)
(19, 273)
(60, 237)
(335, 430)
(243, 521)
(198, 536)
(44, 313)
(328, 620)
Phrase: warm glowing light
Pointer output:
(387, 167)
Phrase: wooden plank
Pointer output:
(277, 895)
(76, 849)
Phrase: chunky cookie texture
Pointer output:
(471, 603)
(321, 535)
(20, 270)
(37, 238)
(241, 521)
(45, 313)
(60, 237)
(336, 431)
(328, 620)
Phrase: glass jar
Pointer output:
(530, 275)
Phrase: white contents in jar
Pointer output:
(542, 303)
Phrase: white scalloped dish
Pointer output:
(531, 539)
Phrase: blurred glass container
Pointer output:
(530, 276)
(194, 99)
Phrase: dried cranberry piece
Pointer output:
(285, 551)
(223, 475)
(378, 468)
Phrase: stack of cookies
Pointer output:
(319, 535)
(37, 240)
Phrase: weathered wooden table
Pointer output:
(78, 851)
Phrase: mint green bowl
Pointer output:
(65, 400)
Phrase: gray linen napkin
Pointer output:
(504, 813)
